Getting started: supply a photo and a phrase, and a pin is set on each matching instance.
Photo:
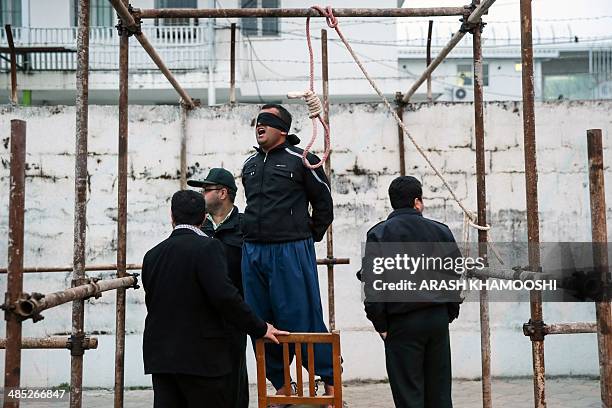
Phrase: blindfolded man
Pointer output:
(278, 257)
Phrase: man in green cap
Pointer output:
(223, 223)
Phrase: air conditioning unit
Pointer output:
(460, 93)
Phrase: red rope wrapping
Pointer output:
(333, 23)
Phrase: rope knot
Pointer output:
(328, 13)
(315, 106)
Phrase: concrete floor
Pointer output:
(516, 393)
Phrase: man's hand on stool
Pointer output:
(273, 332)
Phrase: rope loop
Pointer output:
(472, 219)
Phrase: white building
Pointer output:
(272, 56)
(271, 53)
(566, 66)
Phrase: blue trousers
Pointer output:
(282, 287)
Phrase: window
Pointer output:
(101, 13)
(465, 74)
(176, 4)
(10, 12)
(266, 26)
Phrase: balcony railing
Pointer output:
(181, 48)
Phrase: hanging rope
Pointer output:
(315, 108)
(332, 22)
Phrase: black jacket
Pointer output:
(278, 190)
(407, 225)
(189, 305)
(230, 234)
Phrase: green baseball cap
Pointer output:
(216, 176)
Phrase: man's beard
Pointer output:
(213, 208)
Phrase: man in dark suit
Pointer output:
(223, 223)
(190, 307)
(415, 333)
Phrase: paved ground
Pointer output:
(515, 393)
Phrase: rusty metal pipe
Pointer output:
(232, 96)
(80, 197)
(331, 299)
(122, 171)
(510, 274)
(133, 267)
(53, 342)
(481, 196)
(12, 356)
(41, 269)
(570, 328)
(13, 56)
(183, 153)
(455, 39)
(531, 192)
(428, 60)
(32, 305)
(296, 12)
(148, 47)
(128, 22)
(400, 133)
(599, 232)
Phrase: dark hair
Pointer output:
(403, 190)
(231, 194)
(188, 207)
(282, 112)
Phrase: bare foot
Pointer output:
(329, 390)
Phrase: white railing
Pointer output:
(181, 47)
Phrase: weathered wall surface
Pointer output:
(364, 162)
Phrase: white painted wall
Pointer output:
(365, 160)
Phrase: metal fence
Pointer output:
(181, 47)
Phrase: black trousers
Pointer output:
(417, 351)
(190, 391)
(239, 380)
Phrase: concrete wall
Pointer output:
(365, 160)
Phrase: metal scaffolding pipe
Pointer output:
(124, 14)
(135, 267)
(481, 200)
(428, 61)
(599, 232)
(122, 171)
(32, 305)
(400, 133)
(509, 274)
(54, 342)
(12, 356)
(296, 12)
(148, 47)
(531, 192)
(471, 20)
(570, 328)
(80, 198)
(232, 94)
(183, 152)
(11, 46)
(41, 269)
(331, 299)
(128, 22)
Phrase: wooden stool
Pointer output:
(298, 339)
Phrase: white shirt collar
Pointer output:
(215, 226)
